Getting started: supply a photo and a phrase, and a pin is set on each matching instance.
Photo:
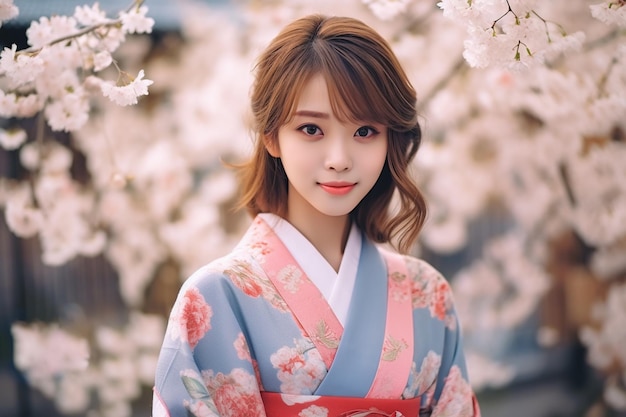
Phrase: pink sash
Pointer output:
(317, 320)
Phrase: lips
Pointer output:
(337, 187)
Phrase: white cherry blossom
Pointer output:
(41, 32)
(20, 69)
(68, 113)
(135, 20)
(65, 353)
(90, 15)
(102, 60)
(127, 94)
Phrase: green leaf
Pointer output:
(195, 387)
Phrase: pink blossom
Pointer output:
(441, 300)
(244, 278)
(235, 394)
(300, 369)
(288, 360)
(241, 346)
(194, 317)
(456, 397)
(429, 370)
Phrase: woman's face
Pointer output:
(331, 165)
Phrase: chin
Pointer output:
(335, 212)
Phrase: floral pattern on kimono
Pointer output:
(191, 318)
(431, 290)
(300, 368)
(232, 395)
(232, 336)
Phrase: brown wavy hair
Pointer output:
(366, 83)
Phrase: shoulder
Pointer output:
(221, 271)
(418, 270)
(421, 271)
(429, 289)
(238, 274)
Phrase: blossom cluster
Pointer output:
(66, 373)
(56, 78)
(49, 75)
(66, 356)
(509, 33)
(606, 344)
(53, 83)
(545, 144)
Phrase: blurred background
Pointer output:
(523, 164)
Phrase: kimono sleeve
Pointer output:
(204, 367)
(453, 394)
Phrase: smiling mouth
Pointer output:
(337, 188)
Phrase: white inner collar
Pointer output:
(336, 287)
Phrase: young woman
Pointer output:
(309, 315)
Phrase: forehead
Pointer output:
(314, 95)
(334, 95)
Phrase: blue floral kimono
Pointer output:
(268, 330)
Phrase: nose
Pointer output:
(338, 157)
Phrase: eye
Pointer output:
(310, 130)
(365, 132)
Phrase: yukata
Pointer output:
(272, 330)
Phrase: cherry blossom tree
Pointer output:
(523, 105)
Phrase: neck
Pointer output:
(329, 234)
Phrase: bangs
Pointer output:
(296, 76)
(360, 91)
(364, 79)
(354, 99)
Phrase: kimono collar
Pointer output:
(336, 287)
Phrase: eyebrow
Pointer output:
(309, 113)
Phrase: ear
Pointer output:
(271, 144)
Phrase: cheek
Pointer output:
(298, 162)
(376, 159)
(295, 155)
